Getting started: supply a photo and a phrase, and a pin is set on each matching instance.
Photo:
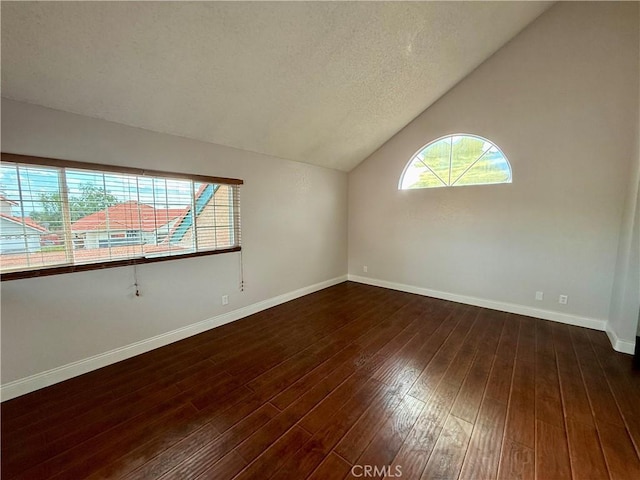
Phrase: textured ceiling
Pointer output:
(325, 83)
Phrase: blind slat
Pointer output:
(60, 216)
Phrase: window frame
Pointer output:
(97, 167)
(449, 135)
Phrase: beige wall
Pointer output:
(561, 101)
(293, 233)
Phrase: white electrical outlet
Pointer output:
(365, 269)
(563, 299)
(225, 299)
(539, 296)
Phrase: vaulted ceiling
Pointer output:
(325, 83)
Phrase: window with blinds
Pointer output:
(58, 216)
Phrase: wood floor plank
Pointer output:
(323, 441)
(356, 440)
(527, 339)
(157, 466)
(130, 431)
(389, 438)
(184, 462)
(355, 356)
(99, 384)
(552, 454)
(633, 428)
(483, 455)
(601, 398)
(260, 440)
(284, 374)
(84, 457)
(521, 415)
(421, 440)
(467, 404)
(352, 380)
(158, 445)
(268, 463)
(332, 468)
(576, 404)
(499, 381)
(455, 370)
(225, 468)
(337, 388)
(430, 377)
(70, 433)
(435, 329)
(508, 342)
(548, 402)
(624, 384)
(350, 376)
(447, 456)
(544, 339)
(517, 462)
(627, 398)
(587, 460)
(494, 322)
(129, 386)
(350, 355)
(621, 458)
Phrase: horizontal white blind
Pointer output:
(53, 216)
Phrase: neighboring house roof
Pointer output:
(28, 222)
(127, 216)
(5, 199)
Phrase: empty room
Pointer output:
(320, 240)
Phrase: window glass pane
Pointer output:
(437, 157)
(181, 196)
(457, 160)
(419, 176)
(491, 168)
(466, 150)
(31, 226)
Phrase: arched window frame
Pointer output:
(433, 142)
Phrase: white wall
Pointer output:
(625, 298)
(294, 225)
(561, 101)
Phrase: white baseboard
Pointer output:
(619, 345)
(587, 322)
(44, 379)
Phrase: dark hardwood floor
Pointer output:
(336, 383)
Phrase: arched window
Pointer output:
(456, 160)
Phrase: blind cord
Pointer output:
(135, 280)
(238, 241)
(241, 273)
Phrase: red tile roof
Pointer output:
(128, 216)
(26, 220)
